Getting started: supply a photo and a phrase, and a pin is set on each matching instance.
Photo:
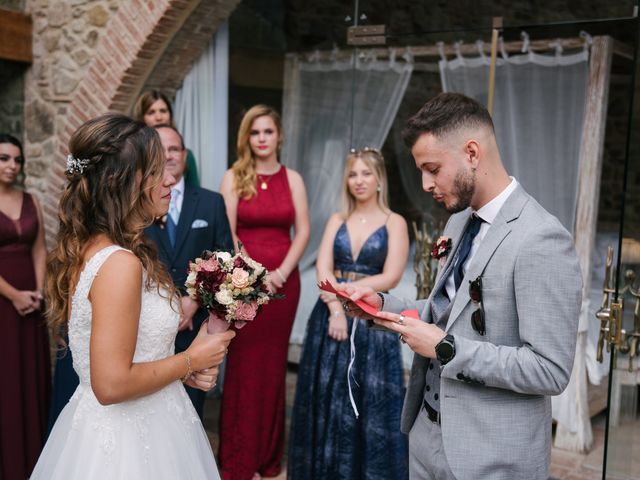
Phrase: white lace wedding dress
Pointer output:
(158, 436)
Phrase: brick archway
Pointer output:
(151, 42)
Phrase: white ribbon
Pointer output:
(353, 358)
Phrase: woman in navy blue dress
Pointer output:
(366, 244)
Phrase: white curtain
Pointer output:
(201, 109)
(329, 107)
(538, 108)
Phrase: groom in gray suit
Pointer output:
(496, 337)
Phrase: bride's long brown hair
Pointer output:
(110, 196)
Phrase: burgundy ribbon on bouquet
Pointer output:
(216, 324)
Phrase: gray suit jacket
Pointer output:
(494, 397)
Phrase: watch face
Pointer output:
(445, 350)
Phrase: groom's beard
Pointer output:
(464, 187)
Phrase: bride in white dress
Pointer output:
(130, 418)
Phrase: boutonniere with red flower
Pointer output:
(161, 221)
(441, 248)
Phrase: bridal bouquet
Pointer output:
(230, 287)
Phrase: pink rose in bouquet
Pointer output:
(245, 312)
(231, 287)
(240, 278)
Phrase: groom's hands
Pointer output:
(421, 337)
(365, 294)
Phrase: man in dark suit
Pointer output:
(196, 221)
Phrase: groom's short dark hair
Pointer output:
(443, 114)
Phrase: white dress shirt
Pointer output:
(180, 197)
(488, 214)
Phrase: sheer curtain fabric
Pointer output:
(201, 109)
(538, 110)
(330, 106)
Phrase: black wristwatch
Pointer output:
(446, 349)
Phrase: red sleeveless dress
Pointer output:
(252, 425)
(25, 377)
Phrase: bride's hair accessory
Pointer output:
(76, 166)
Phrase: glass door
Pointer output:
(620, 311)
(602, 440)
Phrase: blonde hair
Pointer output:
(105, 198)
(244, 168)
(374, 160)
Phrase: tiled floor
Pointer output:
(564, 465)
(567, 465)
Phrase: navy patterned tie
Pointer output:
(174, 215)
(465, 248)
(171, 231)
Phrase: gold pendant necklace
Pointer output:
(264, 183)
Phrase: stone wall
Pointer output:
(12, 98)
(613, 164)
(94, 56)
(17, 5)
(12, 86)
(65, 37)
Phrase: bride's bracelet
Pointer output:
(189, 371)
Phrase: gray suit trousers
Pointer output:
(427, 460)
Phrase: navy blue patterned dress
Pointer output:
(327, 440)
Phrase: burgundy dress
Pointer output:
(252, 427)
(25, 376)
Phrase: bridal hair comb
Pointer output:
(76, 165)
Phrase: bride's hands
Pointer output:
(206, 350)
(204, 380)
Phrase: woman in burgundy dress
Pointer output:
(264, 200)
(24, 355)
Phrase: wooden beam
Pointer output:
(591, 151)
(15, 36)
(472, 49)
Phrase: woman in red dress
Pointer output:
(264, 200)
(24, 354)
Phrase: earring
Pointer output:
(379, 188)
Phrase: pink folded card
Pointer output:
(411, 314)
(365, 307)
